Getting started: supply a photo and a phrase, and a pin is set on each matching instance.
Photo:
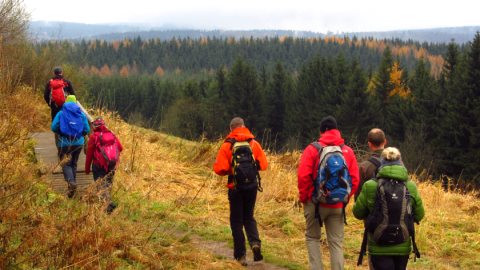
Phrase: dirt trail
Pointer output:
(223, 250)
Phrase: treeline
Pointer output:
(188, 55)
(434, 121)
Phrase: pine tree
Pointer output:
(244, 99)
(380, 87)
(354, 112)
(275, 103)
(473, 79)
(453, 129)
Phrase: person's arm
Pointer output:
(353, 170)
(417, 203)
(56, 123)
(360, 208)
(69, 88)
(46, 93)
(89, 155)
(260, 156)
(222, 163)
(120, 146)
(306, 172)
(86, 125)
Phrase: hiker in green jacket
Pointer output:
(392, 175)
(369, 168)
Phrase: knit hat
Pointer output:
(71, 98)
(328, 123)
(57, 70)
(98, 122)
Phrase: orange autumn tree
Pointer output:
(399, 85)
(159, 71)
(124, 71)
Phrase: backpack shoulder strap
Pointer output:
(317, 146)
(375, 161)
(232, 141)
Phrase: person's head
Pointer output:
(391, 154)
(236, 122)
(376, 139)
(58, 71)
(98, 122)
(328, 123)
(71, 98)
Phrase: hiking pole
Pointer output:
(89, 118)
(363, 248)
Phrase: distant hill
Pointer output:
(41, 30)
(434, 35)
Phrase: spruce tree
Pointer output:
(244, 99)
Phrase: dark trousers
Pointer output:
(242, 205)
(388, 262)
(70, 167)
(54, 110)
(106, 178)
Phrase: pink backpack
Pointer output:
(106, 151)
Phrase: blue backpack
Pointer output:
(71, 121)
(333, 183)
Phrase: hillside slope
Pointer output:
(177, 174)
(167, 194)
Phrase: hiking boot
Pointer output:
(71, 190)
(257, 253)
(242, 260)
(110, 208)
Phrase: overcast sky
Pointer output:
(310, 15)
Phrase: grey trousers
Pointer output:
(333, 222)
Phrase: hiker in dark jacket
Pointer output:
(47, 95)
(70, 147)
(332, 215)
(391, 257)
(98, 164)
(369, 168)
(241, 196)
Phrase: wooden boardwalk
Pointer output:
(46, 153)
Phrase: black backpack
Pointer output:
(244, 166)
(391, 221)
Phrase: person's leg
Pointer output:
(75, 154)
(333, 220)
(65, 158)
(381, 262)
(312, 236)
(250, 197)
(400, 262)
(235, 199)
(104, 186)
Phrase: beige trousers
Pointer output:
(333, 222)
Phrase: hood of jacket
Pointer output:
(101, 128)
(72, 107)
(241, 134)
(397, 172)
(331, 137)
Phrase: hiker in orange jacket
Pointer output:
(242, 191)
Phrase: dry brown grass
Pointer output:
(178, 172)
(167, 190)
(42, 229)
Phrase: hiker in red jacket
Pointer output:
(242, 191)
(102, 156)
(54, 100)
(332, 215)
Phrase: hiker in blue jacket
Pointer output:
(71, 125)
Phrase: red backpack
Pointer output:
(106, 152)
(57, 94)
